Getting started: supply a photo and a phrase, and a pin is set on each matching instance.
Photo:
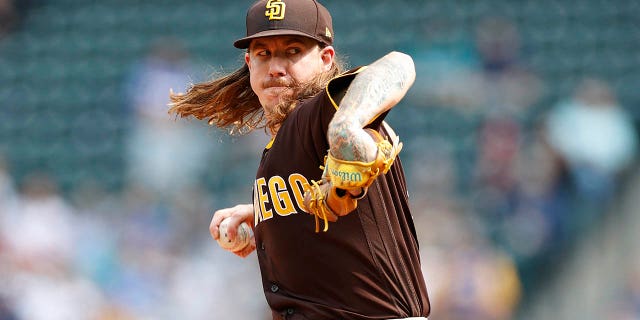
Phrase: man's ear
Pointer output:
(247, 60)
(327, 54)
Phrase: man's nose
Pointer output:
(277, 67)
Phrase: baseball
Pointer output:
(242, 239)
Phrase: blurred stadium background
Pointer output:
(520, 148)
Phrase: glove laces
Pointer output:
(319, 208)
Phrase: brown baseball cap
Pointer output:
(306, 18)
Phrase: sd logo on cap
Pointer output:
(275, 9)
(306, 18)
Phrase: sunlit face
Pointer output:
(276, 62)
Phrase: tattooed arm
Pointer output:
(353, 162)
(373, 91)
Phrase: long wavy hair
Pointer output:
(228, 102)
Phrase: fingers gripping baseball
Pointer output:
(225, 225)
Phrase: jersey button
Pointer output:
(261, 245)
(274, 288)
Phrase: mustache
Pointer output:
(279, 82)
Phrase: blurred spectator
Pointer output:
(505, 84)
(42, 281)
(442, 56)
(163, 155)
(226, 284)
(534, 223)
(12, 13)
(483, 75)
(145, 256)
(498, 144)
(8, 16)
(469, 278)
(487, 80)
(595, 138)
(40, 230)
(502, 91)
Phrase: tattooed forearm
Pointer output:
(374, 90)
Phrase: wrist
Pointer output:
(351, 143)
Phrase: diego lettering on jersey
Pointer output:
(276, 196)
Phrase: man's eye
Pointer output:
(262, 53)
(293, 51)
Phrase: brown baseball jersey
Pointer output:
(366, 266)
